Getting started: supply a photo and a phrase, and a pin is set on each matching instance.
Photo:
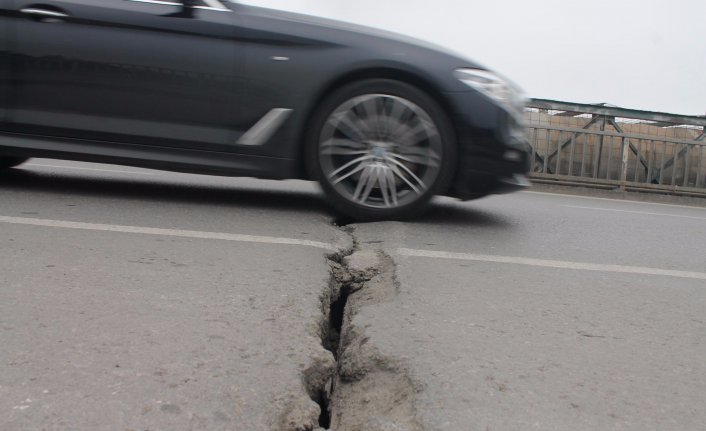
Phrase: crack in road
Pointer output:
(364, 389)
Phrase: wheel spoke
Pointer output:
(348, 126)
(343, 147)
(362, 181)
(391, 184)
(398, 110)
(370, 125)
(401, 114)
(400, 169)
(382, 180)
(371, 117)
(418, 151)
(366, 183)
(423, 156)
(369, 107)
(400, 175)
(350, 164)
(372, 179)
(417, 134)
(390, 118)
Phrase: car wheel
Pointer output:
(381, 149)
(11, 162)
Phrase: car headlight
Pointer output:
(492, 86)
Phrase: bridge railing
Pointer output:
(617, 148)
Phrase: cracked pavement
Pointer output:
(189, 302)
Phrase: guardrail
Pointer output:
(613, 147)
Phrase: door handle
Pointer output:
(41, 14)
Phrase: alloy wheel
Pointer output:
(380, 151)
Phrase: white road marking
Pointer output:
(78, 168)
(633, 212)
(613, 200)
(165, 232)
(551, 263)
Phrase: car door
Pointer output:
(126, 71)
(5, 62)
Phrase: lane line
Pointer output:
(165, 232)
(78, 168)
(632, 212)
(551, 263)
(612, 200)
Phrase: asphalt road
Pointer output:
(138, 299)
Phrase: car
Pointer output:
(383, 122)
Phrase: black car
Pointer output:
(217, 87)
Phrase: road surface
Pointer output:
(139, 299)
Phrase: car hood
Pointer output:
(305, 30)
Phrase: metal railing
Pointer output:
(617, 148)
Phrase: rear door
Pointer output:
(5, 62)
(130, 71)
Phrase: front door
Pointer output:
(140, 72)
(5, 62)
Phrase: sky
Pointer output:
(646, 54)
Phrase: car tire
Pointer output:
(11, 162)
(381, 149)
